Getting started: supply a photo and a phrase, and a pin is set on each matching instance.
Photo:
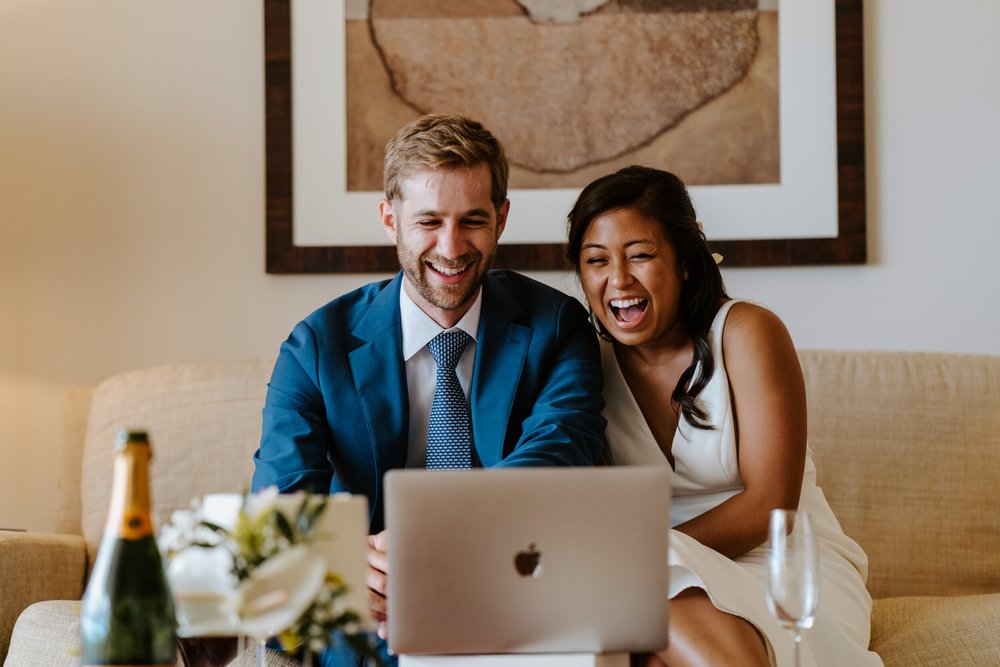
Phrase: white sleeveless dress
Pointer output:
(706, 473)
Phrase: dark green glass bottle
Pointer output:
(127, 614)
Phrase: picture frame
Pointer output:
(284, 256)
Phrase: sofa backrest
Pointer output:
(907, 447)
(907, 450)
(76, 412)
(204, 422)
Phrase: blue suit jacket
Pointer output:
(337, 410)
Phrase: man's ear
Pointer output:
(502, 217)
(387, 213)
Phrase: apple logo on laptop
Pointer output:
(528, 563)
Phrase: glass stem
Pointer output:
(798, 648)
(262, 653)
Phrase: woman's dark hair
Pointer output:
(662, 197)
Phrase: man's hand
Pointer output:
(377, 578)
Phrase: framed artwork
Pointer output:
(758, 107)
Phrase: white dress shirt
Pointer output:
(421, 369)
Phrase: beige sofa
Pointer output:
(907, 446)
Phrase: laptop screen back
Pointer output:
(528, 560)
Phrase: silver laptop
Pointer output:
(528, 560)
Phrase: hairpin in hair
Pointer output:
(716, 256)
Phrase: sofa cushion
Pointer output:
(937, 631)
(907, 450)
(47, 634)
(61, 558)
(274, 659)
(204, 422)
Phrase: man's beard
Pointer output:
(445, 297)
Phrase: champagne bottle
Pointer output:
(127, 614)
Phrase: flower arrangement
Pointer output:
(248, 565)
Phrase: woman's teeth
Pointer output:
(627, 310)
(625, 303)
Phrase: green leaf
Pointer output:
(214, 527)
(314, 513)
(286, 528)
(301, 515)
(205, 545)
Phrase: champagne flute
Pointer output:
(793, 573)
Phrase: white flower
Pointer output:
(179, 533)
(202, 570)
(203, 585)
(279, 591)
(185, 530)
(221, 509)
(251, 565)
(264, 500)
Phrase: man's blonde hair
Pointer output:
(444, 141)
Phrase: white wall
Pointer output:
(131, 205)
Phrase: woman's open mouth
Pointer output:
(628, 312)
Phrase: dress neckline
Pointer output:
(718, 322)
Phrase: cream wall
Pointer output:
(131, 205)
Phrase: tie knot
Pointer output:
(447, 347)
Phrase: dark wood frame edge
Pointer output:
(283, 256)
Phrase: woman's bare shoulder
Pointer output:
(749, 323)
(756, 345)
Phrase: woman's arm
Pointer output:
(769, 409)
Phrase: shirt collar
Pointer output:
(419, 329)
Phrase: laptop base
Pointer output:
(518, 660)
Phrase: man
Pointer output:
(363, 385)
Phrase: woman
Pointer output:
(711, 387)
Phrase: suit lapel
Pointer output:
(380, 379)
(500, 353)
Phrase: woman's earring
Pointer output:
(601, 331)
(685, 274)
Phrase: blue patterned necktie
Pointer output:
(448, 431)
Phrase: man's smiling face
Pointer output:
(446, 229)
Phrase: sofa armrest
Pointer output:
(929, 631)
(35, 567)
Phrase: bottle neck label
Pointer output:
(136, 524)
(129, 515)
